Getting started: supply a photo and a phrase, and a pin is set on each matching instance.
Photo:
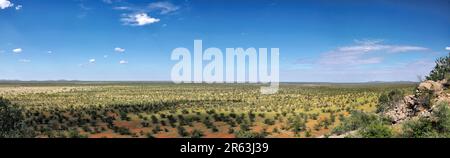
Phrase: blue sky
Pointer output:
(319, 41)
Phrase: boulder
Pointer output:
(428, 93)
(429, 86)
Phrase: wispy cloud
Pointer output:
(363, 52)
(84, 9)
(163, 7)
(447, 48)
(362, 61)
(107, 1)
(123, 8)
(24, 60)
(138, 19)
(138, 15)
(396, 72)
(91, 61)
(111, 1)
(155, 7)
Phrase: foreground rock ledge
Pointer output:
(421, 104)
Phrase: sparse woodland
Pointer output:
(160, 110)
(147, 110)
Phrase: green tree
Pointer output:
(12, 122)
(441, 70)
(376, 130)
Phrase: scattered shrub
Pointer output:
(249, 134)
(182, 131)
(12, 124)
(196, 134)
(376, 130)
(386, 101)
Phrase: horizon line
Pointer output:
(167, 81)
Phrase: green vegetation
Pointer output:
(388, 100)
(248, 134)
(12, 123)
(121, 109)
(376, 129)
(441, 70)
(438, 125)
(374, 126)
(367, 124)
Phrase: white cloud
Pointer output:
(119, 50)
(49, 52)
(139, 19)
(17, 50)
(138, 15)
(123, 62)
(108, 1)
(163, 7)
(111, 1)
(364, 53)
(396, 72)
(123, 8)
(24, 60)
(447, 48)
(18, 7)
(91, 61)
(5, 4)
(399, 49)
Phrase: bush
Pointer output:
(76, 134)
(197, 134)
(298, 125)
(154, 119)
(230, 130)
(249, 134)
(420, 128)
(356, 120)
(386, 101)
(441, 70)
(122, 130)
(149, 135)
(12, 122)
(437, 126)
(182, 131)
(245, 127)
(442, 115)
(308, 133)
(269, 121)
(376, 130)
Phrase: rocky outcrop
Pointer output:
(427, 94)
(402, 110)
